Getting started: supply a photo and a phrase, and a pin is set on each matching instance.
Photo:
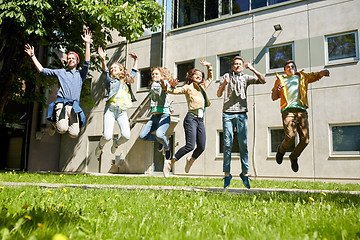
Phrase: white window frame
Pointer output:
(238, 53)
(142, 89)
(344, 60)
(234, 155)
(273, 154)
(281, 69)
(331, 144)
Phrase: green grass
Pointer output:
(172, 181)
(31, 212)
(40, 213)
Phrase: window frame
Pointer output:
(234, 155)
(218, 63)
(140, 88)
(331, 143)
(273, 154)
(176, 68)
(281, 69)
(344, 60)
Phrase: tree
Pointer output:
(58, 24)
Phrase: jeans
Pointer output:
(112, 113)
(238, 121)
(295, 120)
(194, 133)
(67, 120)
(159, 123)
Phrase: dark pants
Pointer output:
(194, 133)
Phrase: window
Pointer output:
(342, 47)
(183, 68)
(278, 55)
(345, 139)
(186, 12)
(276, 137)
(226, 62)
(235, 147)
(145, 78)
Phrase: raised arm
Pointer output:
(208, 65)
(135, 57)
(258, 74)
(102, 55)
(87, 39)
(222, 86)
(30, 51)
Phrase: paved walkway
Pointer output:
(179, 188)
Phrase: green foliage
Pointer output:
(58, 25)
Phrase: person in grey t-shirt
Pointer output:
(234, 85)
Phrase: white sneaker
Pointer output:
(188, 164)
(114, 146)
(51, 129)
(98, 151)
(167, 168)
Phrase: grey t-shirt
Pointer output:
(235, 92)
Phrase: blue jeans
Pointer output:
(159, 123)
(194, 133)
(238, 121)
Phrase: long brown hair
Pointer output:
(123, 74)
(190, 74)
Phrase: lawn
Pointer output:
(32, 212)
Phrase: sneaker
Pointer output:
(188, 164)
(51, 129)
(114, 146)
(245, 180)
(279, 156)
(98, 151)
(167, 168)
(294, 164)
(168, 154)
(227, 180)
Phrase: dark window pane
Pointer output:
(145, 78)
(211, 9)
(258, 3)
(240, 6)
(190, 12)
(271, 2)
(235, 147)
(279, 55)
(225, 7)
(346, 138)
(226, 63)
(175, 16)
(343, 46)
(182, 69)
(277, 135)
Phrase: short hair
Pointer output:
(238, 58)
(191, 73)
(288, 62)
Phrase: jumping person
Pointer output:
(197, 100)
(234, 86)
(66, 111)
(160, 112)
(292, 91)
(117, 82)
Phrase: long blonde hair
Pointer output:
(123, 75)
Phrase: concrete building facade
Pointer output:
(316, 34)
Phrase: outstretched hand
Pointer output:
(87, 36)
(29, 50)
(102, 53)
(205, 63)
(174, 82)
(325, 73)
(248, 65)
(133, 56)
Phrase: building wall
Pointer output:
(332, 100)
